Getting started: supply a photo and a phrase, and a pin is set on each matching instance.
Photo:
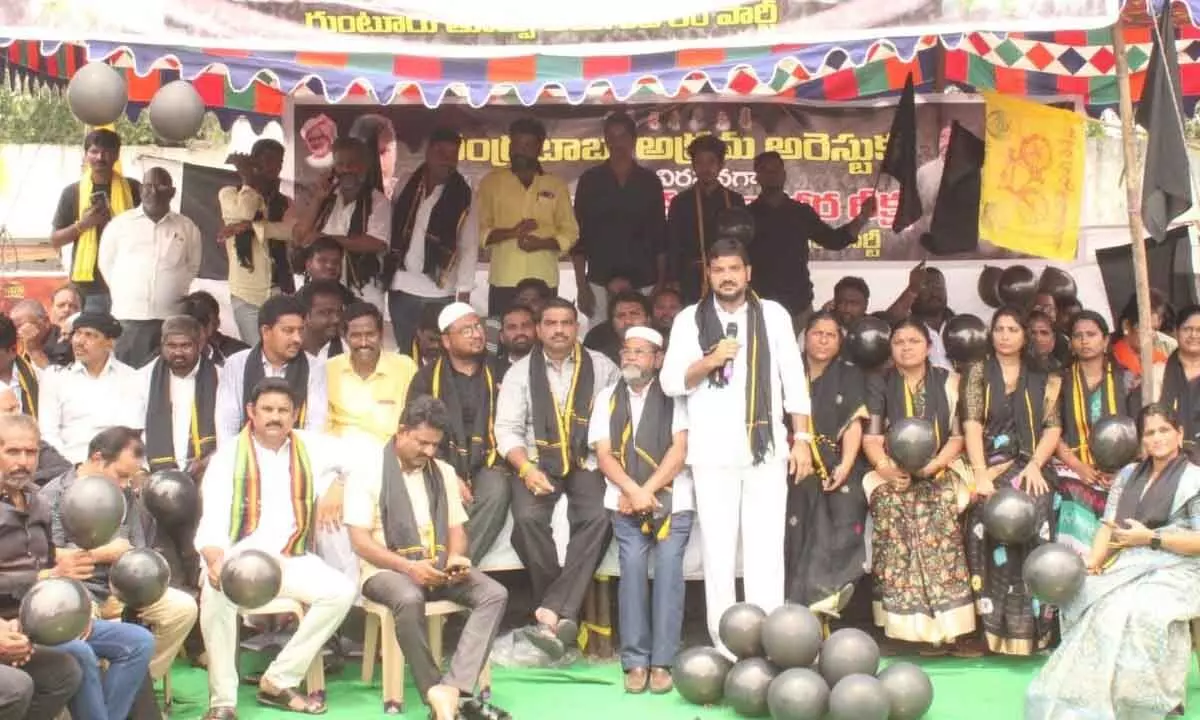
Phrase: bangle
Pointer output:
(525, 469)
(802, 437)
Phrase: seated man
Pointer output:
(117, 454)
(406, 523)
(300, 487)
(35, 684)
(27, 555)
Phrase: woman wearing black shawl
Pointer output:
(1181, 379)
(827, 510)
(1012, 427)
(1093, 387)
(922, 587)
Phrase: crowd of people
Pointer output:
(708, 396)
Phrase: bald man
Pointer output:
(51, 464)
(151, 256)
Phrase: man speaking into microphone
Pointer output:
(736, 360)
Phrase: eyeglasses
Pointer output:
(469, 330)
(1189, 331)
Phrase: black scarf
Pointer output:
(561, 437)
(28, 382)
(1076, 422)
(1177, 394)
(243, 243)
(295, 373)
(335, 347)
(1151, 507)
(441, 234)
(160, 432)
(361, 268)
(469, 450)
(1026, 413)
(281, 266)
(641, 453)
(900, 405)
(837, 396)
(400, 530)
(758, 357)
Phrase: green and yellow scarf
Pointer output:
(247, 492)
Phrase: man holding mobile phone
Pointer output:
(406, 518)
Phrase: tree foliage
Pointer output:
(41, 116)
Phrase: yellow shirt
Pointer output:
(360, 508)
(367, 408)
(503, 203)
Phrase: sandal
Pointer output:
(553, 641)
(220, 713)
(285, 700)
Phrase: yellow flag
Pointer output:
(1032, 189)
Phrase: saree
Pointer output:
(1126, 646)
(1014, 622)
(922, 590)
(824, 546)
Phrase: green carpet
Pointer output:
(986, 689)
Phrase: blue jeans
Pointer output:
(650, 621)
(405, 311)
(128, 649)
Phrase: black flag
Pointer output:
(1166, 187)
(900, 160)
(955, 225)
(199, 202)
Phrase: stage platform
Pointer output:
(985, 689)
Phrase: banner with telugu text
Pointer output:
(1032, 184)
(832, 152)
(487, 28)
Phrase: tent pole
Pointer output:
(1133, 194)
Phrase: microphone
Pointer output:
(727, 371)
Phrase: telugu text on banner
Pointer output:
(1032, 188)
(485, 28)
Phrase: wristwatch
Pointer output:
(1156, 541)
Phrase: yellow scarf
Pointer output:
(87, 247)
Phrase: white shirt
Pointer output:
(379, 225)
(415, 282)
(277, 521)
(151, 264)
(937, 348)
(681, 494)
(73, 406)
(182, 391)
(229, 407)
(717, 415)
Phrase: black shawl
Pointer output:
(28, 383)
(899, 404)
(296, 374)
(758, 358)
(1114, 400)
(400, 531)
(1151, 507)
(641, 453)
(1177, 394)
(361, 268)
(1026, 414)
(160, 432)
(561, 436)
(837, 397)
(441, 234)
(281, 267)
(471, 449)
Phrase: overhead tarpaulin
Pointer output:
(487, 28)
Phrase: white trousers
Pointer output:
(746, 504)
(307, 579)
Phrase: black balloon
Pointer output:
(747, 684)
(909, 691)
(1113, 441)
(1058, 283)
(140, 577)
(1054, 573)
(172, 498)
(55, 611)
(92, 510)
(251, 579)
(989, 285)
(1010, 516)
(859, 697)
(966, 339)
(791, 636)
(911, 442)
(1017, 286)
(740, 630)
(868, 344)
(848, 651)
(798, 694)
(699, 675)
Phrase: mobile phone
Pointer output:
(99, 198)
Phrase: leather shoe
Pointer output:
(475, 709)
(635, 680)
(660, 681)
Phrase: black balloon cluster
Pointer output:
(787, 671)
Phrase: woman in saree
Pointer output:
(922, 587)
(1093, 387)
(827, 510)
(1051, 349)
(1011, 425)
(1181, 379)
(1126, 646)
